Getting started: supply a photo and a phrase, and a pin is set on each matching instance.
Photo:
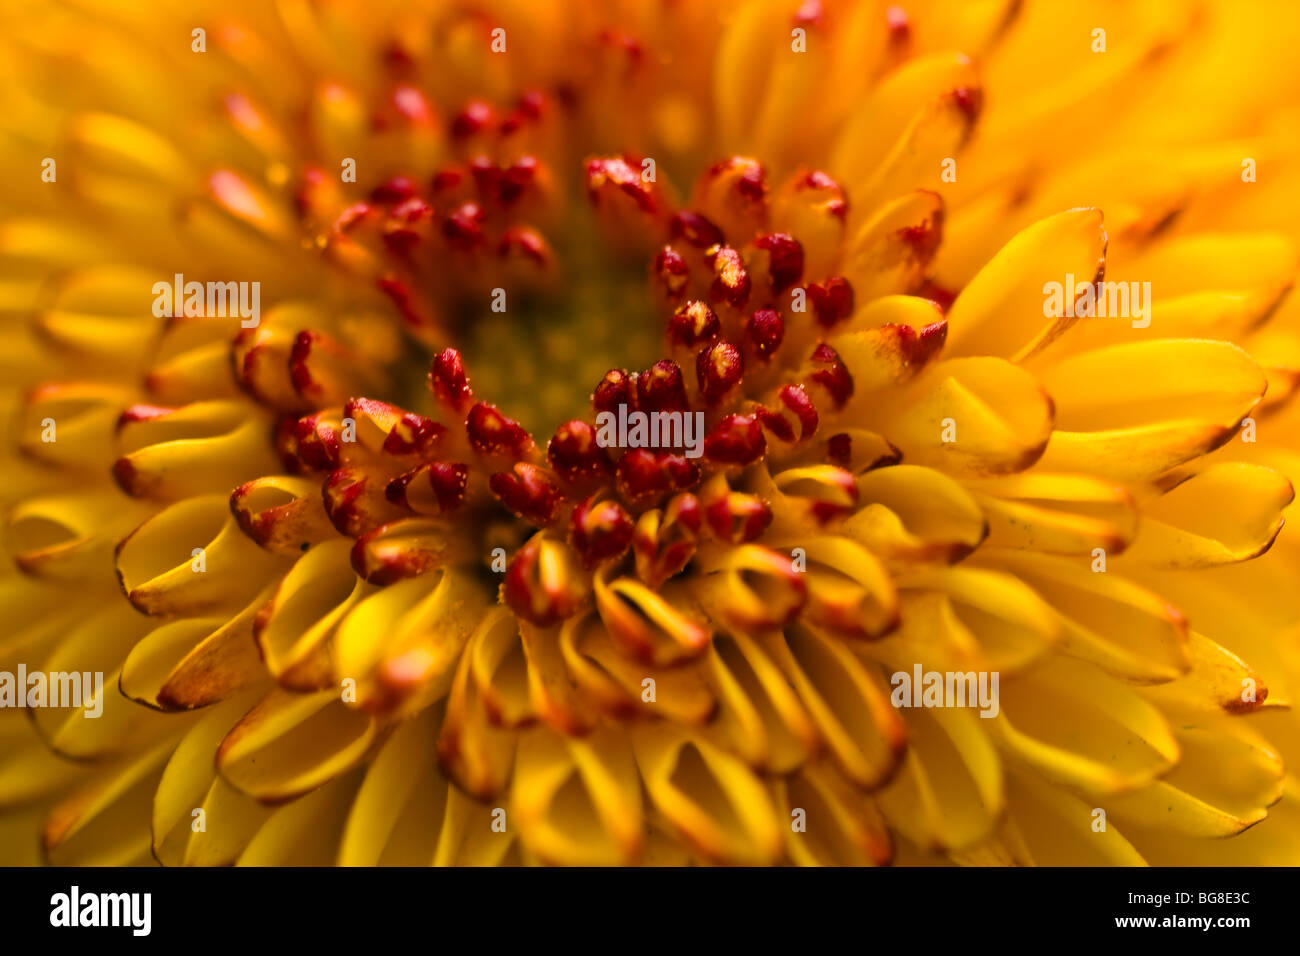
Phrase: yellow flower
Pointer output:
(327, 330)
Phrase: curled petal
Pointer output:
(578, 801)
(281, 513)
(1079, 727)
(297, 627)
(847, 703)
(190, 558)
(1223, 513)
(289, 744)
(647, 625)
(710, 799)
(544, 583)
(426, 623)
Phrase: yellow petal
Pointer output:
(194, 662)
(1226, 779)
(986, 619)
(1058, 514)
(105, 822)
(189, 783)
(1079, 727)
(912, 513)
(577, 801)
(291, 743)
(427, 621)
(305, 832)
(1108, 619)
(712, 801)
(159, 566)
(948, 793)
(969, 417)
(1002, 310)
(397, 818)
(1056, 828)
(1222, 513)
(882, 119)
(841, 827)
(847, 702)
(471, 751)
(891, 250)
(760, 717)
(297, 627)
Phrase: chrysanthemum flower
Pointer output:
(364, 583)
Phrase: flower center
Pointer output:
(539, 354)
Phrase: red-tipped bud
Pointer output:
(776, 423)
(373, 420)
(394, 552)
(796, 399)
(309, 444)
(523, 242)
(528, 491)
(834, 375)
(475, 118)
(445, 481)
(449, 382)
(393, 191)
(353, 216)
(785, 259)
(610, 178)
(900, 28)
(810, 13)
(643, 475)
(408, 226)
(694, 229)
(694, 324)
(665, 541)
(449, 182)
(671, 272)
(718, 370)
(970, 100)
(661, 388)
(735, 517)
(766, 331)
(413, 435)
(543, 583)
(922, 345)
(492, 433)
(143, 413)
(839, 449)
(411, 106)
(348, 502)
(833, 202)
(615, 389)
(575, 454)
(830, 492)
(518, 178)
(733, 193)
(730, 278)
(601, 530)
(463, 227)
(408, 303)
(832, 300)
(796, 408)
(735, 440)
